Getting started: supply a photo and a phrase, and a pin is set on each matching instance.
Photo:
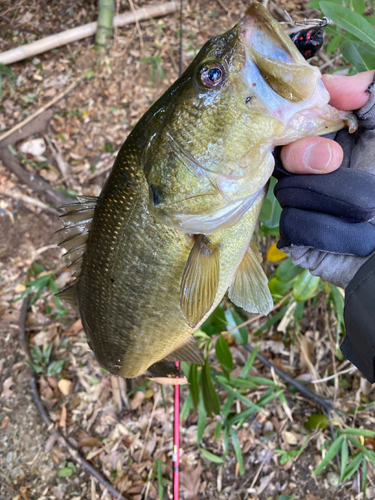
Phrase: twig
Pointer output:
(33, 180)
(138, 26)
(44, 414)
(42, 109)
(320, 380)
(156, 401)
(222, 5)
(27, 199)
(251, 320)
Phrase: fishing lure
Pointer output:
(309, 40)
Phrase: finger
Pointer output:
(348, 92)
(314, 155)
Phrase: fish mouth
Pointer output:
(274, 56)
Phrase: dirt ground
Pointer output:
(121, 428)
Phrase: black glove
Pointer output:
(328, 227)
(328, 221)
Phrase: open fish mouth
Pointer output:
(274, 62)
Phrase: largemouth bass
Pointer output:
(171, 231)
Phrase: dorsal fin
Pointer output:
(77, 223)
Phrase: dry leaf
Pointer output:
(190, 480)
(65, 386)
(45, 336)
(74, 329)
(89, 441)
(289, 437)
(63, 417)
(136, 402)
(5, 422)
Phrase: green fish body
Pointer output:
(171, 230)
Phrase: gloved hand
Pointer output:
(328, 221)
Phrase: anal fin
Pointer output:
(188, 352)
(249, 289)
(200, 280)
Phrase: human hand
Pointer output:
(325, 222)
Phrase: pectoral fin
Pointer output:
(249, 289)
(188, 352)
(199, 281)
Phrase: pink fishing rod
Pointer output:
(176, 441)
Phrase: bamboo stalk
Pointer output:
(72, 35)
(105, 25)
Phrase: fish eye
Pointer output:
(211, 76)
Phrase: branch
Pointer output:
(33, 181)
(53, 41)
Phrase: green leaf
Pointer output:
(210, 456)
(287, 271)
(353, 467)
(55, 368)
(350, 21)
(234, 319)
(237, 450)
(333, 450)
(238, 395)
(359, 432)
(194, 385)
(249, 362)
(215, 323)
(338, 302)
(344, 458)
(359, 6)
(359, 54)
(334, 43)
(202, 418)
(223, 353)
(186, 407)
(280, 288)
(226, 440)
(305, 286)
(270, 214)
(317, 421)
(65, 472)
(160, 479)
(210, 398)
(364, 476)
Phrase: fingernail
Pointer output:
(318, 156)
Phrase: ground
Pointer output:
(125, 429)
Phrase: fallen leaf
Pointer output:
(65, 386)
(89, 441)
(45, 336)
(63, 417)
(190, 480)
(136, 402)
(5, 422)
(74, 329)
(289, 437)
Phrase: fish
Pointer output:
(171, 231)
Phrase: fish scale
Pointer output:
(171, 230)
